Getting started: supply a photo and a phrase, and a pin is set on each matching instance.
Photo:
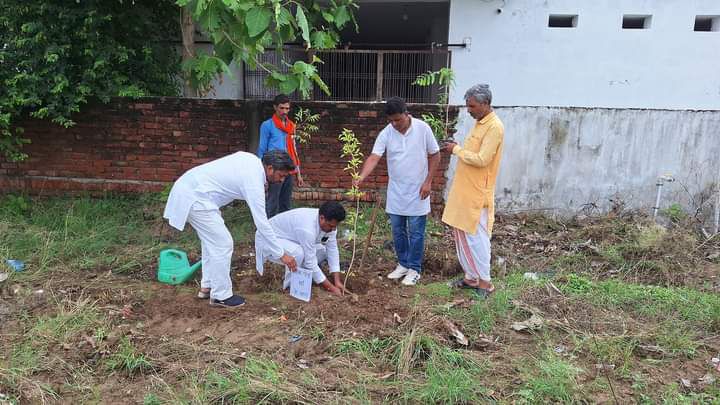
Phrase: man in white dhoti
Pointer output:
(310, 236)
(197, 196)
(470, 205)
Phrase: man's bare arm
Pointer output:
(368, 167)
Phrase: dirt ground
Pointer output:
(182, 336)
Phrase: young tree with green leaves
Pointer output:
(242, 30)
(55, 56)
(445, 78)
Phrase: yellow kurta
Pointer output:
(473, 186)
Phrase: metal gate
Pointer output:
(358, 75)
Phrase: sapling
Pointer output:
(305, 125)
(445, 78)
(352, 153)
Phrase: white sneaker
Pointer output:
(398, 273)
(411, 278)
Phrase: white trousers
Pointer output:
(295, 250)
(473, 251)
(217, 249)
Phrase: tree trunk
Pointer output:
(188, 52)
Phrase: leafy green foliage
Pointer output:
(351, 151)
(438, 125)
(241, 30)
(675, 212)
(445, 79)
(57, 56)
(305, 125)
(14, 206)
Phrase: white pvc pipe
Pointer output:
(659, 185)
(717, 205)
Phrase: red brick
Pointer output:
(152, 140)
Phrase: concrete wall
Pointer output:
(566, 158)
(595, 64)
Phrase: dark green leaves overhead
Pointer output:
(257, 21)
(56, 56)
(241, 30)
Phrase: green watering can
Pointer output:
(174, 267)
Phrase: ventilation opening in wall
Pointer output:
(707, 23)
(562, 21)
(636, 22)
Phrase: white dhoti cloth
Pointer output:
(296, 251)
(217, 248)
(473, 251)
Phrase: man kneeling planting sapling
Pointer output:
(310, 236)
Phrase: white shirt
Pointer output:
(240, 176)
(407, 163)
(302, 226)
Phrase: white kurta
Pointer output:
(407, 163)
(197, 197)
(298, 230)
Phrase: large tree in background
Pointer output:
(241, 30)
(57, 55)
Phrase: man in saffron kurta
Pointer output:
(470, 207)
(278, 132)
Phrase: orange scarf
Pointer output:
(289, 128)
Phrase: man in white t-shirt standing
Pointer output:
(412, 157)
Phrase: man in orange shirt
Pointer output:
(470, 207)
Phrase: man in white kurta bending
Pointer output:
(310, 236)
(197, 196)
(412, 156)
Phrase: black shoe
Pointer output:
(233, 302)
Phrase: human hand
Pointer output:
(301, 181)
(449, 146)
(425, 190)
(289, 261)
(357, 182)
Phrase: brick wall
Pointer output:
(136, 146)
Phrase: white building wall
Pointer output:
(564, 159)
(597, 63)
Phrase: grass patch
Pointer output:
(572, 261)
(438, 289)
(72, 319)
(694, 307)
(676, 341)
(32, 354)
(450, 376)
(549, 379)
(369, 350)
(128, 359)
(483, 315)
(117, 232)
(616, 350)
(260, 381)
